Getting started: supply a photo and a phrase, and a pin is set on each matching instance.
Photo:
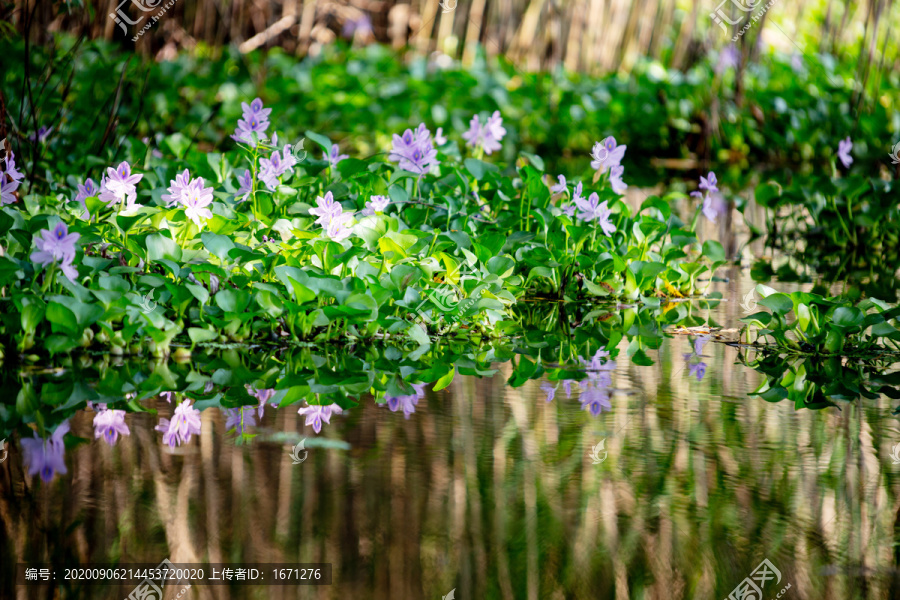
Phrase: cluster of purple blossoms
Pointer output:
(414, 151)
(317, 414)
(239, 419)
(408, 402)
(277, 165)
(844, 148)
(595, 390)
(712, 201)
(332, 218)
(487, 136)
(335, 156)
(46, 457)
(185, 423)
(57, 246)
(608, 155)
(375, 204)
(8, 185)
(694, 360)
(192, 195)
(591, 209)
(109, 424)
(118, 186)
(255, 120)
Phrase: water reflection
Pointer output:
(481, 487)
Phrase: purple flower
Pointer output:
(335, 156)
(487, 136)
(549, 389)
(592, 209)
(191, 195)
(559, 187)
(255, 119)
(844, 148)
(41, 134)
(595, 400)
(797, 62)
(87, 190)
(119, 186)
(109, 424)
(248, 126)
(439, 138)
(712, 201)
(338, 228)
(239, 419)
(598, 362)
(185, 423)
(568, 209)
(408, 402)
(46, 456)
(576, 194)
(615, 179)
(326, 209)
(332, 218)
(414, 151)
(6, 191)
(262, 395)
(709, 182)
(316, 414)
(376, 204)
(255, 109)
(57, 246)
(276, 166)
(176, 188)
(245, 182)
(195, 198)
(698, 370)
(10, 168)
(168, 396)
(607, 154)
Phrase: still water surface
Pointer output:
(659, 481)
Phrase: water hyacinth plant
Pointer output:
(321, 250)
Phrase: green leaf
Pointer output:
(217, 245)
(444, 381)
(62, 318)
(778, 303)
(160, 247)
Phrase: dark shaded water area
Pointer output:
(623, 457)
